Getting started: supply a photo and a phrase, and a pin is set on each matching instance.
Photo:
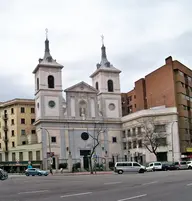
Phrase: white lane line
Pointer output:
(189, 184)
(153, 182)
(78, 194)
(134, 197)
(111, 183)
(33, 192)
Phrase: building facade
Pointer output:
(71, 126)
(136, 126)
(171, 86)
(18, 138)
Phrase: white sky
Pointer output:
(139, 35)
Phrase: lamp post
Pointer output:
(172, 140)
(49, 147)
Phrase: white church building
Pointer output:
(68, 126)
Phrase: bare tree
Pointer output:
(152, 135)
(96, 142)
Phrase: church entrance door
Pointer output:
(85, 154)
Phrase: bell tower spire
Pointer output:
(46, 41)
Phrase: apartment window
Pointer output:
(22, 121)
(38, 156)
(12, 122)
(22, 110)
(160, 128)
(189, 79)
(20, 156)
(140, 143)
(134, 144)
(32, 110)
(129, 145)
(0, 145)
(30, 155)
(182, 84)
(23, 132)
(33, 131)
(12, 110)
(13, 144)
(124, 145)
(114, 139)
(135, 105)
(13, 157)
(134, 96)
(12, 133)
(32, 121)
(186, 131)
(0, 157)
(128, 133)
(53, 139)
(123, 135)
(130, 98)
(24, 143)
(0, 135)
(134, 132)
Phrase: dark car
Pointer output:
(3, 174)
(35, 172)
(169, 166)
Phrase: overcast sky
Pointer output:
(139, 35)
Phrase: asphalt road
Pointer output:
(155, 186)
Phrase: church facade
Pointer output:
(87, 116)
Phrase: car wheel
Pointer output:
(120, 171)
(39, 174)
(190, 167)
(27, 174)
(141, 171)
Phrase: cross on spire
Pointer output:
(102, 39)
(46, 33)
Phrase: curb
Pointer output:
(80, 174)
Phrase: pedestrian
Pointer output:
(51, 171)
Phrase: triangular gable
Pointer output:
(81, 87)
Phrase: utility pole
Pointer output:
(172, 140)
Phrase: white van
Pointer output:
(121, 167)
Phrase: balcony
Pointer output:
(5, 128)
(5, 116)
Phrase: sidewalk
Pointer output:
(82, 173)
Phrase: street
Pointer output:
(155, 186)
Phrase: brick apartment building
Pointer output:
(171, 86)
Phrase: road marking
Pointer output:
(33, 192)
(111, 183)
(134, 197)
(153, 182)
(78, 194)
(189, 184)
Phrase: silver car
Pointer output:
(121, 167)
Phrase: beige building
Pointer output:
(18, 139)
(160, 121)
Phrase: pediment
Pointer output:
(81, 87)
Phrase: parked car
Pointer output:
(35, 172)
(3, 174)
(154, 166)
(189, 164)
(181, 165)
(121, 167)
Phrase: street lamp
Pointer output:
(50, 154)
(172, 140)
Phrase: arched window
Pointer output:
(50, 81)
(110, 85)
(37, 83)
(97, 85)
